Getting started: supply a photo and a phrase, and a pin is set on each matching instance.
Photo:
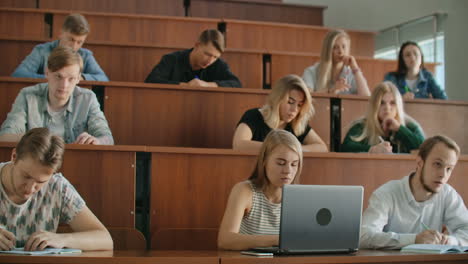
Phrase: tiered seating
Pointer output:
(104, 176)
(259, 10)
(190, 185)
(189, 201)
(137, 43)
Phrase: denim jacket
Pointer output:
(82, 114)
(425, 86)
(34, 65)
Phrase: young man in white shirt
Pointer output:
(420, 208)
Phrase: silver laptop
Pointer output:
(319, 219)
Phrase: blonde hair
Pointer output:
(372, 128)
(279, 94)
(275, 138)
(325, 67)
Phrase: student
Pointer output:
(411, 77)
(199, 66)
(385, 128)
(35, 199)
(253, 209)
(75, 29)
(337, 72)
(420, 208)
(288, 107)
(69, 111)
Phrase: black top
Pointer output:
(254, 119)
(175, 68)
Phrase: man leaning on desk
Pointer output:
(74, 32)
(420, 208)
(199, 66)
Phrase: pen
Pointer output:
(424, 226)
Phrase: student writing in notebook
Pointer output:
(252, 215)
(34, 199)
(289, 107)
(421, 208)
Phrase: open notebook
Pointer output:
(437, 249)
(21, 251)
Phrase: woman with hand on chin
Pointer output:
(337, 72)
(385, 128)
(411, 77)
(252, 214)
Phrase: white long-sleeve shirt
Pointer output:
(394, 218)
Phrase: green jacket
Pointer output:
(407, 138)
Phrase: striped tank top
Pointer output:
(264, 216)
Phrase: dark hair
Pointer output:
(427, 146)
(402, 69)
(63, 56)
(214, 37)
(41, 145)
(76, 24)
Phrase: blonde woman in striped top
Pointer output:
(253, 210)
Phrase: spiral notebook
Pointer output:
(436, 249)
(21, 251)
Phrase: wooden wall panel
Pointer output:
(8, 93)
(18, 4)
(190, 188)
(104, 178)
(13, 52)
(286, 37)
(374, 70)
(258, 11)
(133, 63)
(202, 118)
(22, 23)
(141, 29)
(154, 7)
(435, 116)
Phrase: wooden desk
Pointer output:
(170, 115)
(435, 116)
(362, 256)
(121, 257)
(273, 11)
(374, 70)
(234, 257)
(289, 37)
(132, 62)
(103, 175)
(190, 187)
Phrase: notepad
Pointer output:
(21, 251)
(437, 249)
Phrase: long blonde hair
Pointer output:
(325, 67)
(275, 138)
(279, 94)
(372, 128)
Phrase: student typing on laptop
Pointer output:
(252, 216)
(420, 208)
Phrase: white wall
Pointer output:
(374, 15)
